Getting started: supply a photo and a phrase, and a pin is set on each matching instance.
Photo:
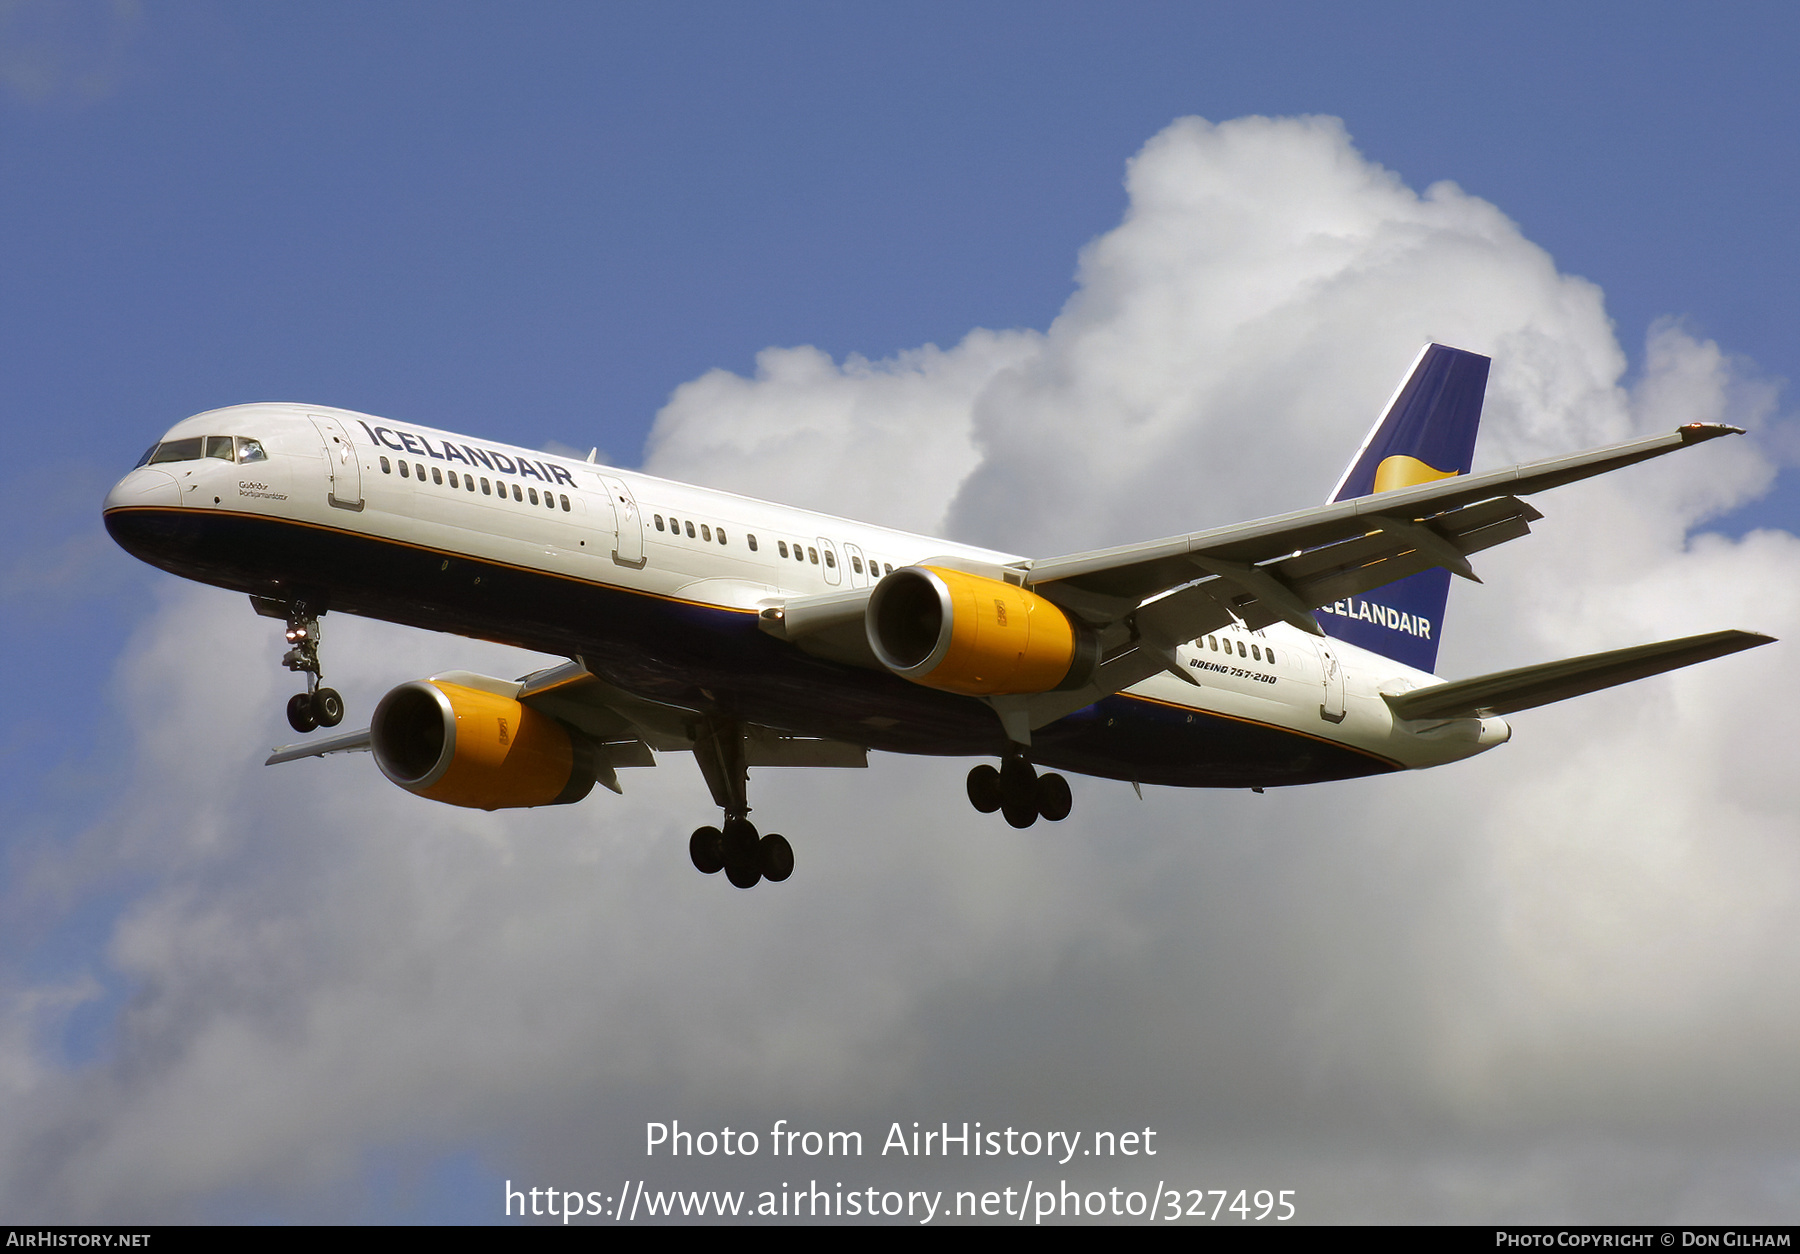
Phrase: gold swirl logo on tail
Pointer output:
(1401, 471)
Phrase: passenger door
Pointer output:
(629, 551)
(342, 468)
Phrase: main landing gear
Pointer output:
(734, 846)
(745, 857)
(1019, 792)
(317, 706)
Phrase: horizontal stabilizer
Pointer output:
(1530, 686)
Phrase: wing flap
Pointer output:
(1528, 687)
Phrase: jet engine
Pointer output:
(478, 749)
(967, 633)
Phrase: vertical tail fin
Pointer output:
(1427, 432)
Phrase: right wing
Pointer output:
(1144, 599)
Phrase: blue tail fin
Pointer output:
(1427, 432)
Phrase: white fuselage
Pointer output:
(330, 482)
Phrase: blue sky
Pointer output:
(537, 222)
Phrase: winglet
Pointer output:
(1695, 432)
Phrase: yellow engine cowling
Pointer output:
(981, 637)
(466, 747)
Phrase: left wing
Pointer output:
(624, 730)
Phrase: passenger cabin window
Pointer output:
(517, 495)
(385, 468)
(659, 522)
(451, 475)
(533, 494)
(856, 564)
(706, 533)
(721, 535)
(437, 476)
(781, 545)
(690, 529)
(751, 541)
(565, 503)
(485, 490)
(831, 559)
(405, 471)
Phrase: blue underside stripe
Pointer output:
(669, 650)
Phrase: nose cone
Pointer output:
(144, 487)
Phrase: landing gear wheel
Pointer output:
(706, 849)
(741, 875)
(300, 713)
(775, 858)
(737, 844)
(327, 707)
(984, 788)
(1018, 792)
(1053, 799)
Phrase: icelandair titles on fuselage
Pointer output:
(419, 446)
(1381, 615)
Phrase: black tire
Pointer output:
(737, 845)
(705, 848)
(775, 858)
(1053, 799)
(984, 788)
(300, 713)
(327, 707)
(1018, 792)
(1020, 817)
(742, 876)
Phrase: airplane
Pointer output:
(1288, 650)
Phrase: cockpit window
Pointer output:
(177, 451)
(224, 447)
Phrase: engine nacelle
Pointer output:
(981, 637)
(466, 747)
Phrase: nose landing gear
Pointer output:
(318, 706)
